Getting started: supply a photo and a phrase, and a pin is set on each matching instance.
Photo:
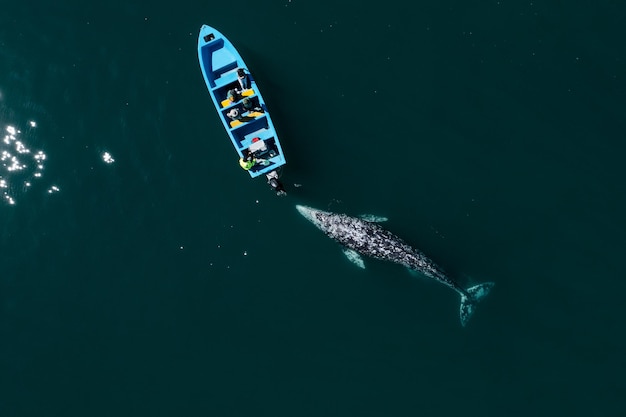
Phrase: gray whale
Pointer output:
(363, 237)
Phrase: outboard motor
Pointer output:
(272, 180)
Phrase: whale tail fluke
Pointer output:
(474, 295)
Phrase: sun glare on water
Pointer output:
(20, 167)
(107, 158)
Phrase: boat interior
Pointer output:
(250, 129)
(223, 63)
(258, 128)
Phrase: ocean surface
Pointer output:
(143, 273)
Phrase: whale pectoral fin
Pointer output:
(372, 218)
(354, 257)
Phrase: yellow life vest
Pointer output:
(246, 164)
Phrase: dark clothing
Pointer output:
(233, 95)
(244, 80)
(248, 105)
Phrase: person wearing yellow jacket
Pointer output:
(247, 162)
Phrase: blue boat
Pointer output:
(240, 106)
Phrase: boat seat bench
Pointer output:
(226, 78)
(253, 114)
(245, 93)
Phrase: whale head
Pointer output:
(314, 216)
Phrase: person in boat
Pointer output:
(248, 105)
(233, 95)
(234, 114)
(243, 79)
(247, 161)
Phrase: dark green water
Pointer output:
(491, 135)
